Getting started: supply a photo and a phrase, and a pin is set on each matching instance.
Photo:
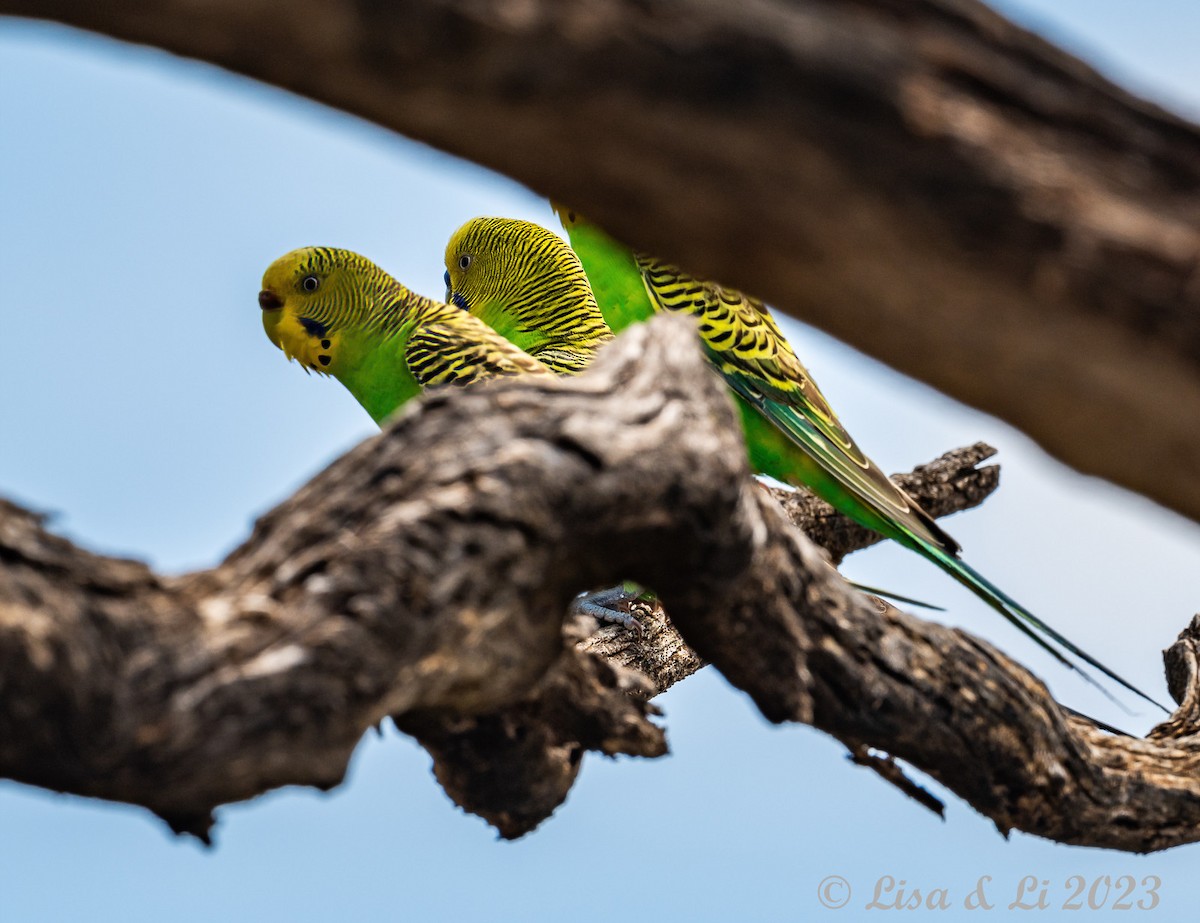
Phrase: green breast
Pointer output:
(376, 373)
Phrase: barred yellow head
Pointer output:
(527, 283)
(311, 296)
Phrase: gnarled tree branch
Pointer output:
(425, 575)
(921, 178)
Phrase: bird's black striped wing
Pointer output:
(462, 351)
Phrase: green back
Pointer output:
(620, 290)
(614, 274)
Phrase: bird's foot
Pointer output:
(617, 605)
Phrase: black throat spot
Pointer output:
(314, 328)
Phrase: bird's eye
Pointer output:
(464, 261)
(310, 283)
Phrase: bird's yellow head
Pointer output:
(312, 297)
(505, 266)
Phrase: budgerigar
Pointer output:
(339, 314)
(791, 432)
(528, 283)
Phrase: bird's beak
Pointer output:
(447, 278)
(272, 316)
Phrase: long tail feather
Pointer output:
(896, 597)
(1026, 621)
(914, 529)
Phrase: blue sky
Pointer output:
(142, 198)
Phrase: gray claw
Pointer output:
(616, 605)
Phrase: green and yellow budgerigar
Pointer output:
(528, 284)
(339, 314)
(791, 432)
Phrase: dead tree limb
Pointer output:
(516, 766)
(946, 485)
(425, 575)
(921, 178)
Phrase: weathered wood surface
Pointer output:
(425, 575)
(921, 178)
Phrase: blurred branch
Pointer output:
(921, 178)
(425, 575)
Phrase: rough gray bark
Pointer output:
(374, 592)
(921, 178)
